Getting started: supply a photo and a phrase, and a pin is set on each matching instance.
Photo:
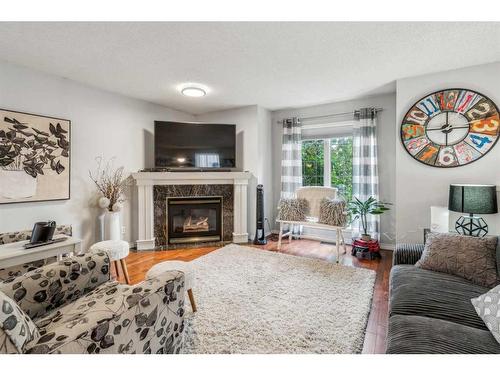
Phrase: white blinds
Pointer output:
(328, 130)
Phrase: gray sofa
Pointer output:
(431, 312)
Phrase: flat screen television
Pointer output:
(194, 145)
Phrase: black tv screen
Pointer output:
(191, 145)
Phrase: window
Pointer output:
(341, 165)
(313, 162)
(328, 162)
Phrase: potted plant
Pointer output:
(110, 183)
(26, 152)
(360, 209)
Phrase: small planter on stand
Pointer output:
(362, 249)
(366, 247)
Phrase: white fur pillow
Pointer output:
(332, 212)
(293, 209)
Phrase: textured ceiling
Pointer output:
(275, 65)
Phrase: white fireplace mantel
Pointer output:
(146, 180)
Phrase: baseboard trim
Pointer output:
(145, 244)
(387, 246)
(240, 237)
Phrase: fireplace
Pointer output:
(194, 219)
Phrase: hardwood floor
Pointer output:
(139, 262)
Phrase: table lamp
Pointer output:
(472, 199)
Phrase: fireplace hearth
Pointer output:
(194, 219)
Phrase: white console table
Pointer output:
(13, 254)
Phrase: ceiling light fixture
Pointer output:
(193, 92)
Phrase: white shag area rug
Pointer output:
(256, 301)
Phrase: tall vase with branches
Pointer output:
(110, 182)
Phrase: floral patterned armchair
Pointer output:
(72, 307)
(9, 237)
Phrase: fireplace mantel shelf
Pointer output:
(146, 180)
(190, 178)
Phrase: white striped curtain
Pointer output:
(365, 166)
(291, 160)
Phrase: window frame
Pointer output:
(327, 167)
(326, 139)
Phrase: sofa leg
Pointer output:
(191, 300)
(292, 227)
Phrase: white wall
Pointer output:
(419, 186)
(386, 149)
(111, 125)
(102, 123)
(253, 128)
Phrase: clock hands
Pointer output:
(447, 127)
(450, 127)
(446, 132)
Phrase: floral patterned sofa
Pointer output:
(9, 237)
(71, 306)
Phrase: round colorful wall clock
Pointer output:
(451, 128)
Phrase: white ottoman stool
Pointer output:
(175, 265)
(117, 250)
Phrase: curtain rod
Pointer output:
(332, 115)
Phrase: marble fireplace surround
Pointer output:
(154, 187)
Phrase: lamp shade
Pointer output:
(473, 199)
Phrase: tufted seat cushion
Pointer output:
(116, 249)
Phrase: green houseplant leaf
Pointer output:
(359, 210)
